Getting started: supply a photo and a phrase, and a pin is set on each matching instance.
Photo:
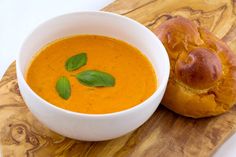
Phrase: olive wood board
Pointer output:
(165, 134)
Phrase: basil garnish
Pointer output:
(76, 61)
(96, 78)
(63, 87)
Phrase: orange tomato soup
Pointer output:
(133, 73)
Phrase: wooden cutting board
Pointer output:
(165, 134)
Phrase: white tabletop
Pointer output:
(19, 17)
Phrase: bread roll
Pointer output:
(202, 80)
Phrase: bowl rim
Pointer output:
(158, 91)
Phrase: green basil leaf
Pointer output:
(63, 87)
(96, 78)
(76, 61)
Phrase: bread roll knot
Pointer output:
(202, 79)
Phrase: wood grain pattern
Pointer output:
(164, 135)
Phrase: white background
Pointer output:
(19, 17)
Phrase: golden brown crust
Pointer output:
(203, 70)
(200, 68)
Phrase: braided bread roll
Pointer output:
(202, 80)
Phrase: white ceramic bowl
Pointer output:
(93, 127)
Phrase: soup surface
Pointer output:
(135, 78)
